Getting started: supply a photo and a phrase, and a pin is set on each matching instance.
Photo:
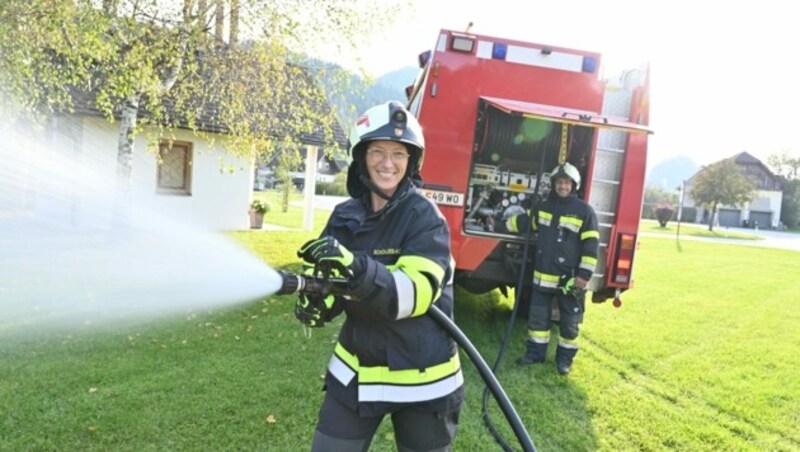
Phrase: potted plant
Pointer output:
(258, 207)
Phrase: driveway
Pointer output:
(771, 239)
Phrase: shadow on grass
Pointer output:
(547, 403)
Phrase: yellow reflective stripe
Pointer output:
(422, 265)
(545, 280)
(350, 359)
(382, 374)
(568, 343)
(545, 218)
(417, 268)
(588, 263)
(572, 220)
(540, 337)
(424, 294)
(590, 235)
(511, 224)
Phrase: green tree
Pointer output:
(721, 183)
(178, 61)
(787, 167)
(656, 198)
(790, 203)
(784, 164)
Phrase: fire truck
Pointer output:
(498, 114)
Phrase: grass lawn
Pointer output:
(702, 356)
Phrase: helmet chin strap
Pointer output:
(372, 187)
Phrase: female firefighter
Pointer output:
(566, 255)
(394, 245)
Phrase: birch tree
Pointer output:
(218, 65)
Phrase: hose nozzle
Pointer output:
(291, 283)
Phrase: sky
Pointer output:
(724, 75)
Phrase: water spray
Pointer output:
(73, 256)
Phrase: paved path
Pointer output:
(771, 239)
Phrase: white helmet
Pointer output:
(389, 121)
(566, 170)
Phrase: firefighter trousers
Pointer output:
(341, 429)
(570, 312)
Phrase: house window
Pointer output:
(175, 168)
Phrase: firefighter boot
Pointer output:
(535, 354)
(564, 357)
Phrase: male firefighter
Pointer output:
(566, 255)
(394, 245)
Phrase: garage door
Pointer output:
(729, 217)
(764, 219)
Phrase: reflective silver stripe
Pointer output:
(570, 226)
(542, 283)
(411, 393)
(585, 266)
(544, 221)
(405, 294)
(571, 345)
(340, 370)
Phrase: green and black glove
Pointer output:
(568, 287)
(315, 312)
(328, 252)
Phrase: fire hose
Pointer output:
(323, 286)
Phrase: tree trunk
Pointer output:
(202, 16)
(219, 27)
(711, 217)
(120, 216)
(234, 23)
(127, 127)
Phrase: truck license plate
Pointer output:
(447, 198)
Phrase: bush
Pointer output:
(663, 215)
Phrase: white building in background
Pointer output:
(763, 211)
(178, 174)
(195, 181)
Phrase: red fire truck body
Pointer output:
(498, 115)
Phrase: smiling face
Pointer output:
(563, 187)
(387, 162)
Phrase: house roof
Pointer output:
(744, 159)
(208, 118)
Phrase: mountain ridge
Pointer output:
(670, 173)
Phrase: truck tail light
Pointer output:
(623, 262)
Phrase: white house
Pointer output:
(177, 174)
(763, 211)
(195, 181)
